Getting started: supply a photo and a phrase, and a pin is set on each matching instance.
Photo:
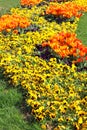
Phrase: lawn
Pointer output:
(43, 66)
(12, 115)
(82, 29)
(6, 5)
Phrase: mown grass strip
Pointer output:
(82, 29)
(11, 117)
(5, 5)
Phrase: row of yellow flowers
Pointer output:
(55, 91)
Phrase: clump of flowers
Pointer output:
(46, 28)
(67, 10)
(66, 44)
(29, 2)
(82, 3)
(58, 0)
(58, 96)
(13, 22)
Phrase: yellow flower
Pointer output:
(62, 108)
(52, 115)
(41, 108)
(43, 127)
(56, 128)
(84, 126)
(40, 117)
(48, 103)
(80, 120)
(8, 30)
(77, 126)
(60, 119)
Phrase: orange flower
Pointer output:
(15, 31)
(68, 10)
(8, 30)
(8, 22)
(29, 2)
(66, 44)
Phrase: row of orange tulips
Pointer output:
(8, 22)
(30, 2)
(68, 9)
(66, 44)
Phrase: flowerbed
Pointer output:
(48, 61)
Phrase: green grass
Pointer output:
(11, 117)
(82, 29)
(5, 5)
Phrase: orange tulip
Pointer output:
(15, 31)
(68, 10)
(29, 2)
(8, 22)
(66, 44)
